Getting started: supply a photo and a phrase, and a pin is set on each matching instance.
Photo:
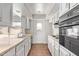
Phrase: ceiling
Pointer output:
(40, 8)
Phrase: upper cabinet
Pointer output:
(72, 5)
(28, 23)
(64, 7)
(23, 21)
(17, 15)
(5, 14)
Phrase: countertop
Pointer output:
(56, 37)
(12, 43)
(6, 47)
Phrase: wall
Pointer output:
(44, 31)
(40, 38)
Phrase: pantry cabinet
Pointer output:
(11, 52)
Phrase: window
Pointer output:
(39, 26)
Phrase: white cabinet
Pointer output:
(72, 5)
(64, 7)
(23, 22)
(56, 50)
(52, 47)
(72, 54)
(27, 45)
(5, 14)
(51, 44)
(28, 23)
(20, 49)
(11, 52)
(64, 51)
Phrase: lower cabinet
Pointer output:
(20, 49)
(52, 47)
(72, 54)
(11, 52)
(56, 49)
(50, 44)
(27, 45)
(63, 51)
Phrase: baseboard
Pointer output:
(40, 43)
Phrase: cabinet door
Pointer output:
(28, 23)
(20, 49)
(72, 54)
(63, 51)
(64, 7)
(73, 5)
(10, 52)
(26, 46)
(20, 52)
(49, 43)
(6, 12)
(23, 22)
(56, 48)
(52, 47)
(29, 43)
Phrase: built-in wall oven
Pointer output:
(69, 34)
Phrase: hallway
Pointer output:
(39, 50)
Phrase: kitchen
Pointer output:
(39, 29)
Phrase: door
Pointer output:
(40, 31)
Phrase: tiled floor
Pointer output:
(39, 50)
